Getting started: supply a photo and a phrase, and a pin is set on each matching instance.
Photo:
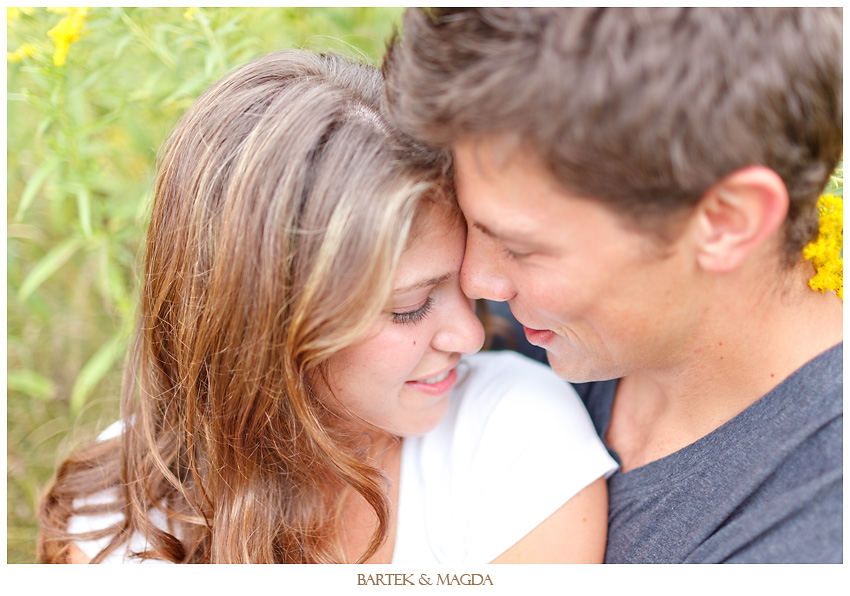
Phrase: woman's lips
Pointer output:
(538, 337)
(438, 387)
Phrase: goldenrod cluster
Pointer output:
(827, 252)
(14, 12)
(66, 31)
(25, 51)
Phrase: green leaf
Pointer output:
(120, 46)
(43, 125)
(112, 283)
(145, 205)
(48, 265)
(835, 186)
(30, 383)
(34, 185)
(94, 370)
(87, 82)
(159, 50)
(84, 209)
(101, 123)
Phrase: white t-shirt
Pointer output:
(516, 444)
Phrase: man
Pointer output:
(639, 185)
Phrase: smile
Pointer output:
(436, 385)
(538, 337)
(437, 379)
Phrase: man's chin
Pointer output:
(576, 368)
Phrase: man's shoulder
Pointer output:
(822, 377)
(806, 404)
(764, 487)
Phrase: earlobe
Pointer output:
(738, 215)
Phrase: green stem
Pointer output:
(148, 42)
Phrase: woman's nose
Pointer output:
(460, 330)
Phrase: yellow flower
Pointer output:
(14, 12)
(190, 13)
(25, 51)
(827, 252)
(66, 31)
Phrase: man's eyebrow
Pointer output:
(434, 281)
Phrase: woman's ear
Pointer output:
(737, 215)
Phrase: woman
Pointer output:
(302, 326)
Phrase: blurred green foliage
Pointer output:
(81, 143)
(835, 186)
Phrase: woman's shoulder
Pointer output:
(508, 407)
(516, 445)
(85, 524)
(522, 390)
(506, 369)
(507, 359)
(113, 430)
(82, 524)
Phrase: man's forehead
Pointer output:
(518, 200)
(500, 187)
(494, 150)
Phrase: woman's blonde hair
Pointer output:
(283, 202)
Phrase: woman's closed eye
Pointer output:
(514, 254)
(414, 316)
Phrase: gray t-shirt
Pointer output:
(766, 487)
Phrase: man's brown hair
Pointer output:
(643, 109)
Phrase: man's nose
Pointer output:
(481, 275)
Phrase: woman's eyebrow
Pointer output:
(434, 281)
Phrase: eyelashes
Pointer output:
(509, 253)
(513, 254)
(414, 316)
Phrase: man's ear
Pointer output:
(737, 215)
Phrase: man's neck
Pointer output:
(748, 346)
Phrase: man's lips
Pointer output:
(538, 337)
